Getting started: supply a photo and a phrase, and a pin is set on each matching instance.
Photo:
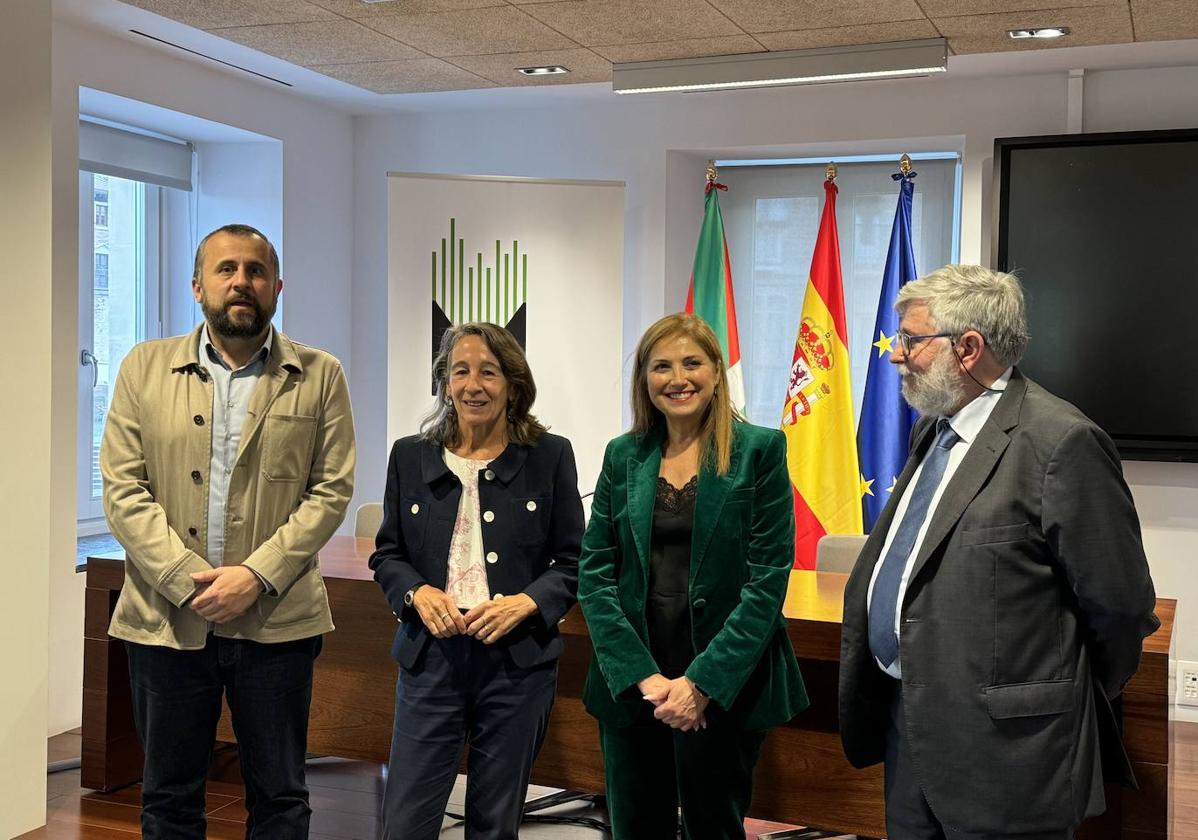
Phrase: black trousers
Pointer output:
(908, 815)
(464, 691)
(652, 770)
(176, 706)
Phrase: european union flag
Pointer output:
(886, 419)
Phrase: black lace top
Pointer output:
(667, 610)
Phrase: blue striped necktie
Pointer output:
(883, 643)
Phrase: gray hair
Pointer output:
(235, 230)
(968, 297)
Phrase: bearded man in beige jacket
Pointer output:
(228, 459)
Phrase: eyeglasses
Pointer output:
(906, 341)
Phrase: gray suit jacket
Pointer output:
(1024, 616)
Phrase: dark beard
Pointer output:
(224, 326)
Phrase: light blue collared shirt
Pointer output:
(967, 423)
(231, 392)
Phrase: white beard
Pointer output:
(939, 390)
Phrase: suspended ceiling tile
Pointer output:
(358, 10)
(209, 14)
(584, 66)
(843, 36)
(1165, 20)
(471, 32)
(686, 48)
(325, 42)
(594, 22)
(960, 8)
(417, 76)
(988, 33)
(786, 15)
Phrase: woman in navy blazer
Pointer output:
(478, 557)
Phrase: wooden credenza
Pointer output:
(802, 777)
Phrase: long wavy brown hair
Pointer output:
(440, 426)
(716, 430)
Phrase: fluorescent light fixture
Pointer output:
(792, 67)
(548, 70)
(1043, 32)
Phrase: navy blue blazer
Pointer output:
(532, 541)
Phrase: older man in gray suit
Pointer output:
(1000, 604)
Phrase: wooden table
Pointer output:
(802, 777)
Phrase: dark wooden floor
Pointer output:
(345, 797)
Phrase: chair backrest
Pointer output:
(368, 519)
(838, 552)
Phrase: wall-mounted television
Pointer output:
(1103, 231)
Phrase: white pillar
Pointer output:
(25, 421)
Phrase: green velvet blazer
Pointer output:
(742, 551)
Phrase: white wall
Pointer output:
(658, 146)
(25, 327)
(316, 182)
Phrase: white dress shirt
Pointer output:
(967, 423)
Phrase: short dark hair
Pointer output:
(441, 424)
(235, 230)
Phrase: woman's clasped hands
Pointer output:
(678, 703)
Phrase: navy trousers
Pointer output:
(176, 706)
(462, 691)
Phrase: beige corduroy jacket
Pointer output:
(292, 482)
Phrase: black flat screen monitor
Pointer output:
(1103, 231)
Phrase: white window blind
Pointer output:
(107, 150)
(771, 218)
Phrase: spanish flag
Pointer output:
(710, 294)
(821, 448)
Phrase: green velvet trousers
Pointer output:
(653, 770)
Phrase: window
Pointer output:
(771, 215)
(118, 297)
(100, 275)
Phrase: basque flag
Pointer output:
(884, 429)
(710, 293)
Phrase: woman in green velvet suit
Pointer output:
(683, 571)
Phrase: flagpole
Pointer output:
(712, 172)
(905, 165)
(830, 172)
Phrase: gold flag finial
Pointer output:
(905, 164)
(830, 172)
(712, 174)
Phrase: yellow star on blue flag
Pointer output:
(885, 343)
(865, 487)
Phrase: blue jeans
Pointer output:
(176, 706)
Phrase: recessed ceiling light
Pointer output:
(1043, 32)
(548, 70)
